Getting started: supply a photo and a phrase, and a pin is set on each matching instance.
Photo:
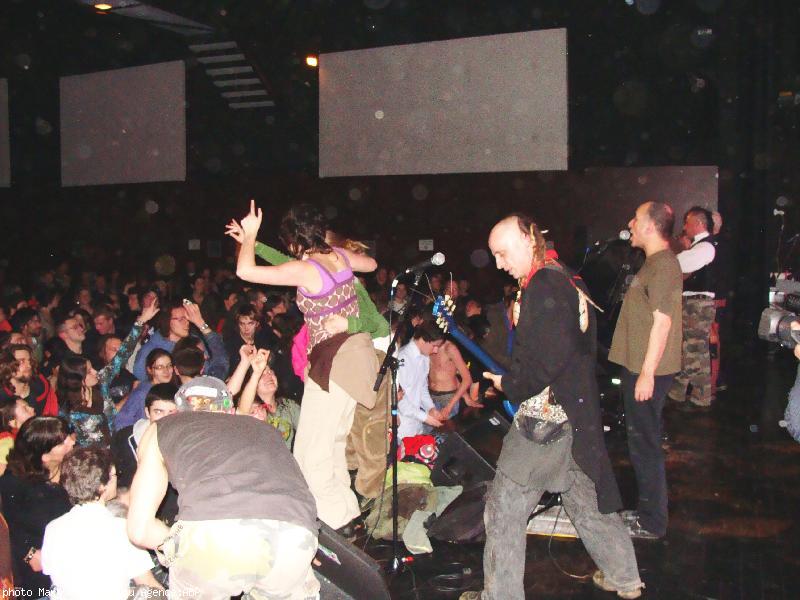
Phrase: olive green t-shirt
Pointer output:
(656, 287)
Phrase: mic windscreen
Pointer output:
(625, 235)
(437, 259)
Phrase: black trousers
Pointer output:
(643, 422)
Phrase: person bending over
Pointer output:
(247, 520)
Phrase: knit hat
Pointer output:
(204, 393)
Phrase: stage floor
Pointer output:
(734, 479)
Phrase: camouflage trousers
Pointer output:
(368, 441)
(264, 559)
(698, 317)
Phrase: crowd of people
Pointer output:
(94, 368)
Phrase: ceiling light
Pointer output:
(103, 6)
(312, 61)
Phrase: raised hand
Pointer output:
(247, 352)
(259, 361)
(252, 222)
(193, 314)
(149, 311)
(234, 230)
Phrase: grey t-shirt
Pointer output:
(233, 467)
(657, 286)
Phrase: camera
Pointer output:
(775, 326)
(777, 318)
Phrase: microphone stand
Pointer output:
(390, 363)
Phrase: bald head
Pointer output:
(513, 244)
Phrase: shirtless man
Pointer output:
(449, 380)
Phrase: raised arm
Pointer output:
(107, 374)
(259, 363)
(246, 352)
(292, 273)
(362, 263)
(271, 255)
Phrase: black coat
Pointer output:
(28, 507)
(550, 349)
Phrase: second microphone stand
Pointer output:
(390, 363)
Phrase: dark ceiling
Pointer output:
(652, 70)
(651, 82)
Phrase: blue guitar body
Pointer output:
(444, 318)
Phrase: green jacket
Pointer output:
(369, 320)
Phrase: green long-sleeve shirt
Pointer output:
(369, 320)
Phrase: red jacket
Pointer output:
(42, 397)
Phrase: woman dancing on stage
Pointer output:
(342, 366)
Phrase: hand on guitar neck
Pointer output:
(497, 380)
(443, 311)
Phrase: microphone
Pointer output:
(623, 235)
(436, 260)
(600, 246)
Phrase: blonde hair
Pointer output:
(334, 239)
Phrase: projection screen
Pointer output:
(5, 145)
(483, 104)
(124, 126)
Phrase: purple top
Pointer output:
(337, 296)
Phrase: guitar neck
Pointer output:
(475, 350)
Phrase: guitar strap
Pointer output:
(583, 298)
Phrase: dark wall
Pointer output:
(110, 226)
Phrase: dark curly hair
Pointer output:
(36, 437)
(9, 364)
(303, 230)
(83, 471)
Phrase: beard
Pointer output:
(23, 379)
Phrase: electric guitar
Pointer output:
(443, 309)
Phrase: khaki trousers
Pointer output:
(319, 448)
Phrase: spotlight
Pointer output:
(312, 60)
(103, 6)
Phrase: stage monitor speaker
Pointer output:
(470, 456)
(346, 572)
